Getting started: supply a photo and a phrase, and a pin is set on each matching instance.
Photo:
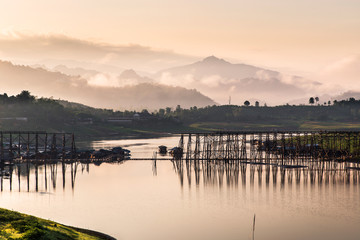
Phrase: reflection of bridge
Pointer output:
(45, 175)
(234, 173)
(41, 177)
(271, 146)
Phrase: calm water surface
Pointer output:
(175, 200)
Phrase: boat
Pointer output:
(162, 149)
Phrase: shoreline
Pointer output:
(14, 223)
(92, 232)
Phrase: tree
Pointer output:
(311, 100)
(25, 96)
(168, 110)
(161, 112)
(145, 113)
(329, 103)
(317, 99)
(257, 104)
(247, 103)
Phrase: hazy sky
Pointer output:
(302, 35)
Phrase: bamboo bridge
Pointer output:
(268, 146)
(36, 145)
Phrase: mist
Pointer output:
(43, 83)
(56, 49)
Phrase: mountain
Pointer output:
(347, 95)
(220, 79)
(326, 97)
(74, 71)
(130, 77)
(41, 82)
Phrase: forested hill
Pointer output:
(26, 112)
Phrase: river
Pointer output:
(140, 199)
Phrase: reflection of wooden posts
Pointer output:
(36, 177)
(19, 171)
(73, 176)
(63, 173)
(11, 173)
(28, 176)
(45, 176)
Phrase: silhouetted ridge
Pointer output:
(214, 60)
(129, 73)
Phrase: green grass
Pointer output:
(214, 126)
(330, 125)
(276, 125)
(14, 225)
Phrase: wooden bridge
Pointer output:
(36, 145)
(271, 145)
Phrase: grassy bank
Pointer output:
(14, 225)
(279, 125)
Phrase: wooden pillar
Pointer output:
(181, 142)
(283, 148)
(10, 147)
(36, 143)
(197, 147)
(28, 144)
(63, 146)
(19, 144)
(2, 146)
(188, 149)
(73, 147)
(53, 146)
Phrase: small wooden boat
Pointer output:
(162, 149)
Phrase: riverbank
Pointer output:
(15, 225)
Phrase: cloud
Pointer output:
(104, 80)
(343, 74)
(58, 49)
(264, 75)
(346, 69)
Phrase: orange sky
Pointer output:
(295, 36)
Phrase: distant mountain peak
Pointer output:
(214, 60)
(129, 74)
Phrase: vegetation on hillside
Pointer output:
(14, 225)
(26, 112)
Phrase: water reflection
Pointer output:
(40, 177)
(230, 174)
